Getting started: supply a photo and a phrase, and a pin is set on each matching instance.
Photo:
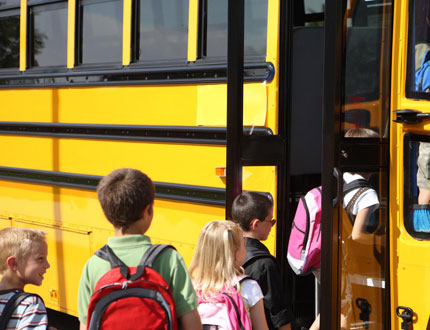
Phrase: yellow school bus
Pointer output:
(89, 86)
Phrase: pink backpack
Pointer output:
(229, 312)
(304, 247)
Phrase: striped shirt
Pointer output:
(30, 314)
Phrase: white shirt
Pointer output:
(251, 292)
(368, 199)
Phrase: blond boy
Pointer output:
(23, 260)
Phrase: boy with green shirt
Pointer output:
(127, 200)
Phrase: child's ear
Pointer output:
(12, 263)
(149, 209)
(253, 224)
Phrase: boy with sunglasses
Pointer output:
(253, 211)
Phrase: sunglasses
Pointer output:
(273, 221)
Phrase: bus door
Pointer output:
(410, 180)
(355, 273)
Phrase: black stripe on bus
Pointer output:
(189, 74)
(167, 134)
(163, 190)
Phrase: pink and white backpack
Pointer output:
(304, 247)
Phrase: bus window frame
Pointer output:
(8, 11)
(410, 70)
(42, 5)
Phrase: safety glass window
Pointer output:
(368, 28)
(9, 38)
(48, 35)
(216, 28)
(417, 185)
(100, 31)
(418, 78)
(362, 263)
(162, 32)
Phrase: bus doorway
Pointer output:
(355, 249)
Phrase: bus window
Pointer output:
(9, 38)
(314, 12)
(418, 86)
(162, 30)
(255, 28)
(100, 31)
(362, 263)
(48, 31)
(417, 185)
(368, 26)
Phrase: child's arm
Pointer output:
(360, 223)
(258, 318)
(190, 321)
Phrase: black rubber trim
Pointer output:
(163, 190)
(168, 134)
(214, 73)
(104, 303)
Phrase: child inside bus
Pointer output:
(368, 201)
(362, 208)
(216, 268)
(23, 260)
(253, 211)
(127, 199)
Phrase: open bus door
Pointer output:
(355, 270)
(410, 183)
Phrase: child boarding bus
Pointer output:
(88, 86)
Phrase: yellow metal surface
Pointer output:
(410, 268)
(273, 31)
(23, 36)
(71, 33)
(193, 12)
(126, 36)
(212, 111)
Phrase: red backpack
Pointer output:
(132, 297)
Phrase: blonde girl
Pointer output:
(217, 267)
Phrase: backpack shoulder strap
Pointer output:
(149, 258)
(152, 253)
(106, 253)
(255, 255)
(348, 187)
(353, 200)
(11, 305)
(236, 310)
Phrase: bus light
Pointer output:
(220, 171)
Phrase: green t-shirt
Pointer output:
(130, 250)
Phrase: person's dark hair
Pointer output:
(124, 194)
(251, 205)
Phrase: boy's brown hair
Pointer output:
(17, 242)
(251, 205)
(124, 194)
